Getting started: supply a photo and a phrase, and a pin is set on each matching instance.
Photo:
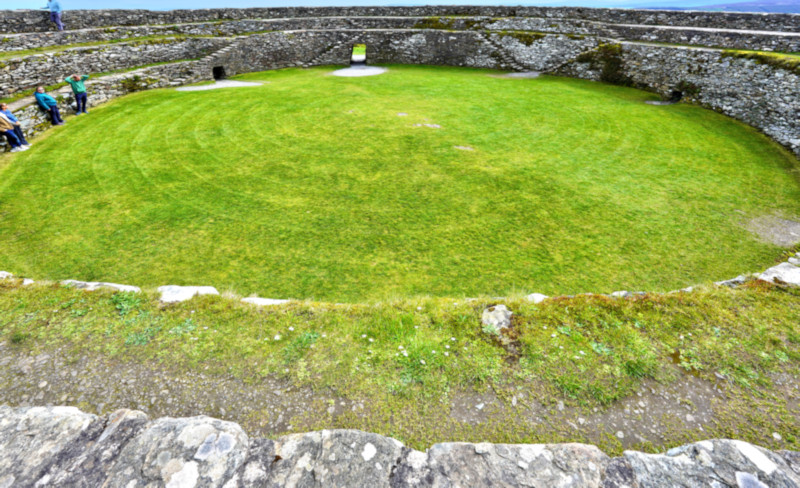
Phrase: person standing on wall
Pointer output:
(5, 112)
(7, 128)
(55, 13)
(49, 104)
(79, 90)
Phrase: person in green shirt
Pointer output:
(78, 88)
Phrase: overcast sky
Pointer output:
(178, 4)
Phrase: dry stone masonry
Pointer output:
(674, 54)
(62, 446)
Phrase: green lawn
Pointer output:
(312, 186)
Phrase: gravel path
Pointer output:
(658, 414)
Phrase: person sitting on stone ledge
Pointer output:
(79, 90)
(15, 122)
(55, 13)
(7, 128)
(48, 104)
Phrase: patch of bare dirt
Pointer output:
(775, 230)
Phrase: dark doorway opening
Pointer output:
(218, 72)
(675, 96)
(359, 55)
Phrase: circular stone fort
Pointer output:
(549, 155)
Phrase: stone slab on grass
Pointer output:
(5, 275)
(94, 285)
(175, 293)
(782, 274)
(263, 302)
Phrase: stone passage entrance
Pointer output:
(218, 72)
(359, 56)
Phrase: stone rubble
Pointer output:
(62, 446)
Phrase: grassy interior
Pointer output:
(312, 186)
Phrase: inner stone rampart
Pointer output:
(698, 55)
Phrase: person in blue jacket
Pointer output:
(17, 130)
(55, 13)
(48, 104)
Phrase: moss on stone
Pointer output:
(443, 23)
(776, 60)
(607, 58)
(527, 38)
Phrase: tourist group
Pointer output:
(11, 127)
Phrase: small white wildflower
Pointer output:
(681, 336)
(416, 326)
(397, 354)
(561, 347)
(419, 308)
(369, 350)
(447, 346)
(363, 336)
(552, 335)
(422, 361)
(581, 353)
(433, 352)
(453, 339)
(446, 353)
(405, 353)
(400, 347)
(291, 329)
(277, 337)
(324, 335)
(371, 339)
(206, 328)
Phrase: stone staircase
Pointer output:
(507, 59)
(317, 60)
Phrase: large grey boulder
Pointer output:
(329, 458)
(460, 464)
(33, 439)
(782, 274)
(721, 461)
(175, 293)
(176, 453)
(94, 285)
(89, 464)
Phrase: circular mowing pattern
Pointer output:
(311, 186)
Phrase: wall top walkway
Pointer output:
(37, 20)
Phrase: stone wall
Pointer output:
(34, 120)
(62, 446)
(37, 21)
(553, 40)
(50, 68)
(724, 37)
(758, 94)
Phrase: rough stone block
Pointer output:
(175, 293)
